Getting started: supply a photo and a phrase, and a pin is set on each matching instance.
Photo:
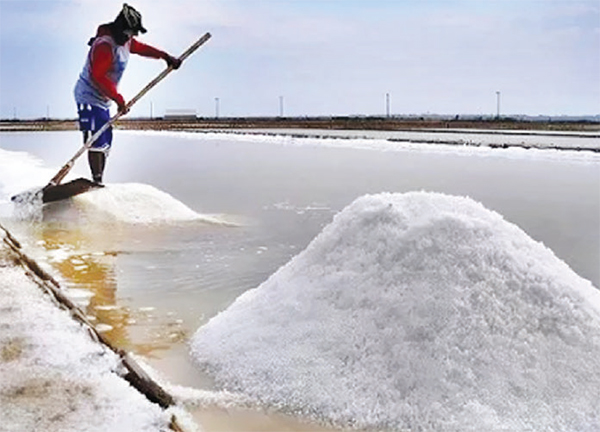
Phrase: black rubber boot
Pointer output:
(97, 162)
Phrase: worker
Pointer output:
(96, 87)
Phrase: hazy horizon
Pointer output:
(317, 57)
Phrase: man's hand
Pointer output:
(174, 62)
(123, 109)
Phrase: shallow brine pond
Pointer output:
(188, 222)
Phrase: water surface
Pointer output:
(151, 285)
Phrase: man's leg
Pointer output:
(98, 152)
(97, 161)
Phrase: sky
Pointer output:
(317, 57)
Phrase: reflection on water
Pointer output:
(91, 278)
(161, 339)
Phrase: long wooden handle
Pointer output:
(67, 167)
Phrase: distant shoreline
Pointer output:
(191, 123)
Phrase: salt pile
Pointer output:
(136, 203)
(130, 203)
(53, 377)
(20, 171)
(417, 311)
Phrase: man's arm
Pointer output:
(142, 49)
(102, 58)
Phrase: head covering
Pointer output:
(130, 19)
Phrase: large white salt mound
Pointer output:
(417, 311)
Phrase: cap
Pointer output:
(131, 18)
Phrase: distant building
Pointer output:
(180, 114)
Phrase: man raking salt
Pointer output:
(95, 91)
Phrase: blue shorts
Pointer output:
(91, 119)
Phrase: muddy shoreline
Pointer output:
(332, 123)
